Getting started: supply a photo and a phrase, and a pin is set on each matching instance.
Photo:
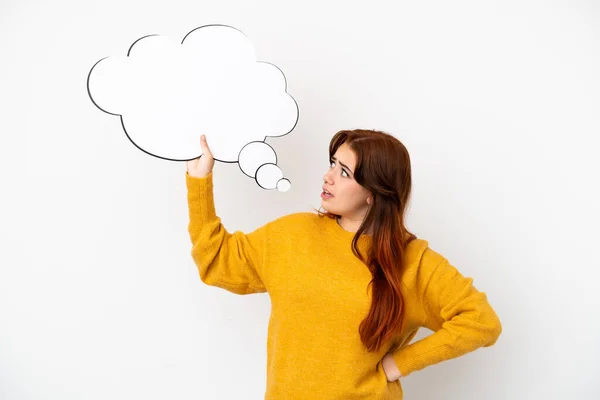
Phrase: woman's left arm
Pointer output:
(459, 314)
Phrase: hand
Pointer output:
(390, 368)
(202, 166)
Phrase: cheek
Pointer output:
(352, 195)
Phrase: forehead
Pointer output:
(346, 155)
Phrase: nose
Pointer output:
(327, 177)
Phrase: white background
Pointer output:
(497, 101)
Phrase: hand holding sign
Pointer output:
(201, 167)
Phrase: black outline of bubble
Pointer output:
(254, 177)
(249, 143)
(269, 163)
(216, 159)
(282, 179)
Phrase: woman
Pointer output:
(350, 287)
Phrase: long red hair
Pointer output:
(383, 168)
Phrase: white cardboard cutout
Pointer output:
(168, 93)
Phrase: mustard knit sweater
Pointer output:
(318, 292)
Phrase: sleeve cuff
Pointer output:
(195, 184)
(200, 197)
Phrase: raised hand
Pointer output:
(202, 166)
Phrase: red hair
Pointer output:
(383, 168)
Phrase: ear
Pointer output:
(369, 200)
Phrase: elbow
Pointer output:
(497, 332)
(493, 327)
(204, 266)
(207, 274)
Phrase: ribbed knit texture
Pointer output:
(319, 296)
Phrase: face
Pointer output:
(347, 198)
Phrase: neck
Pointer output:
(351, 224)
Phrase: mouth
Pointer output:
(325, 194)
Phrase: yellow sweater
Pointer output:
(319, 296)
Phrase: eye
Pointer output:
(332, 163)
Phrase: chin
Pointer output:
(330, 210)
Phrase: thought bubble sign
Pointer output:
(168, 93)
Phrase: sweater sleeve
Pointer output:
(459, 315)
(231, 261)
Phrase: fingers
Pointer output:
(204, 146)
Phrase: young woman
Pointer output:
(350, 286)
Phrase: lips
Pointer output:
(327, 191)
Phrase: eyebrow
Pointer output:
(343, 165)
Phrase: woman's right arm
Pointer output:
(229, 261)
(232, 261)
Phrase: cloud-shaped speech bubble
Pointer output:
(168, 93)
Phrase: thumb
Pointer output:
(204, 146)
